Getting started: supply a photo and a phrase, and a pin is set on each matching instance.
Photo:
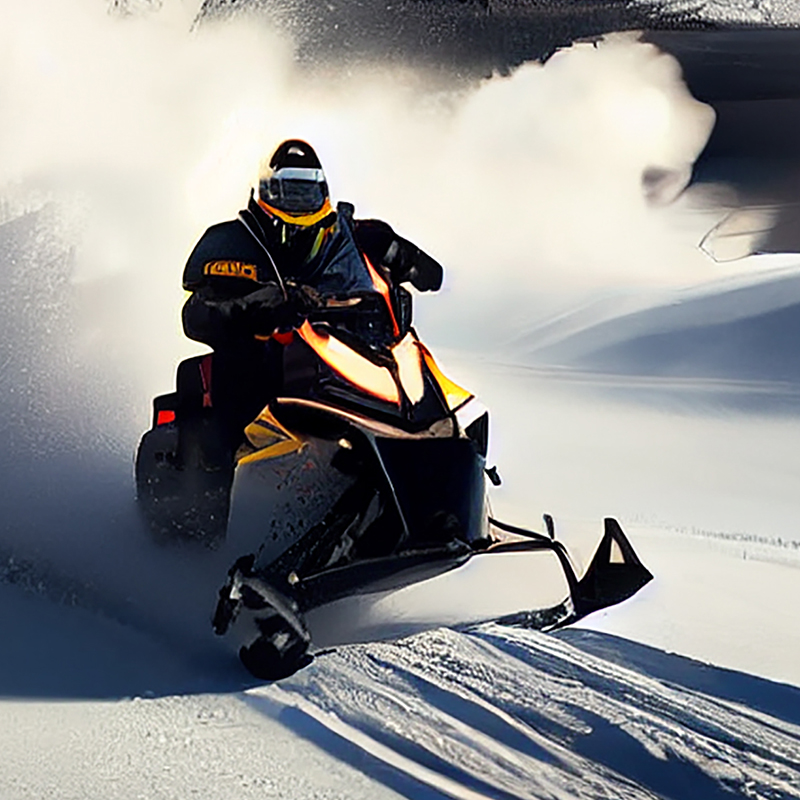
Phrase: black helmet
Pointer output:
(294, 182)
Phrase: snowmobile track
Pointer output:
(506, 713)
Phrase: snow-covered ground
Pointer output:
(704, 484)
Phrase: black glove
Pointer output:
(304, 299)
(261, 311)
(300, 302)
(267, 298)
(426, 274)
(269, 309)
(407, 262)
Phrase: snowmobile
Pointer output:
(367, 475)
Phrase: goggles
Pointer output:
(295, 190)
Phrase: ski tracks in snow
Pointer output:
(504, 713)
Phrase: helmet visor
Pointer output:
(295, 190)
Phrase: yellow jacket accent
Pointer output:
(231, 269)
(305, 220)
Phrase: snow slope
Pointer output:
(493, 713)
(736, 329)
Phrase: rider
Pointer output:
(288, 253)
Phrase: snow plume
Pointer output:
(147, 131)
(126, 134)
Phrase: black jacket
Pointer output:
(239, 274)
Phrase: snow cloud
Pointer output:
(146, 130)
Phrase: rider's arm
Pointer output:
(218, 318)
(404, 260)
(232, 298)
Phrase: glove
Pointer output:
(407, 262)
(300, 302)
(304, 299)
(261, 311)
(267, 309)
(426, 274)
(266, 298)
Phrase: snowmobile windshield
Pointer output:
(296, 190)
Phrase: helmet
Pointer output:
(293, 186)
